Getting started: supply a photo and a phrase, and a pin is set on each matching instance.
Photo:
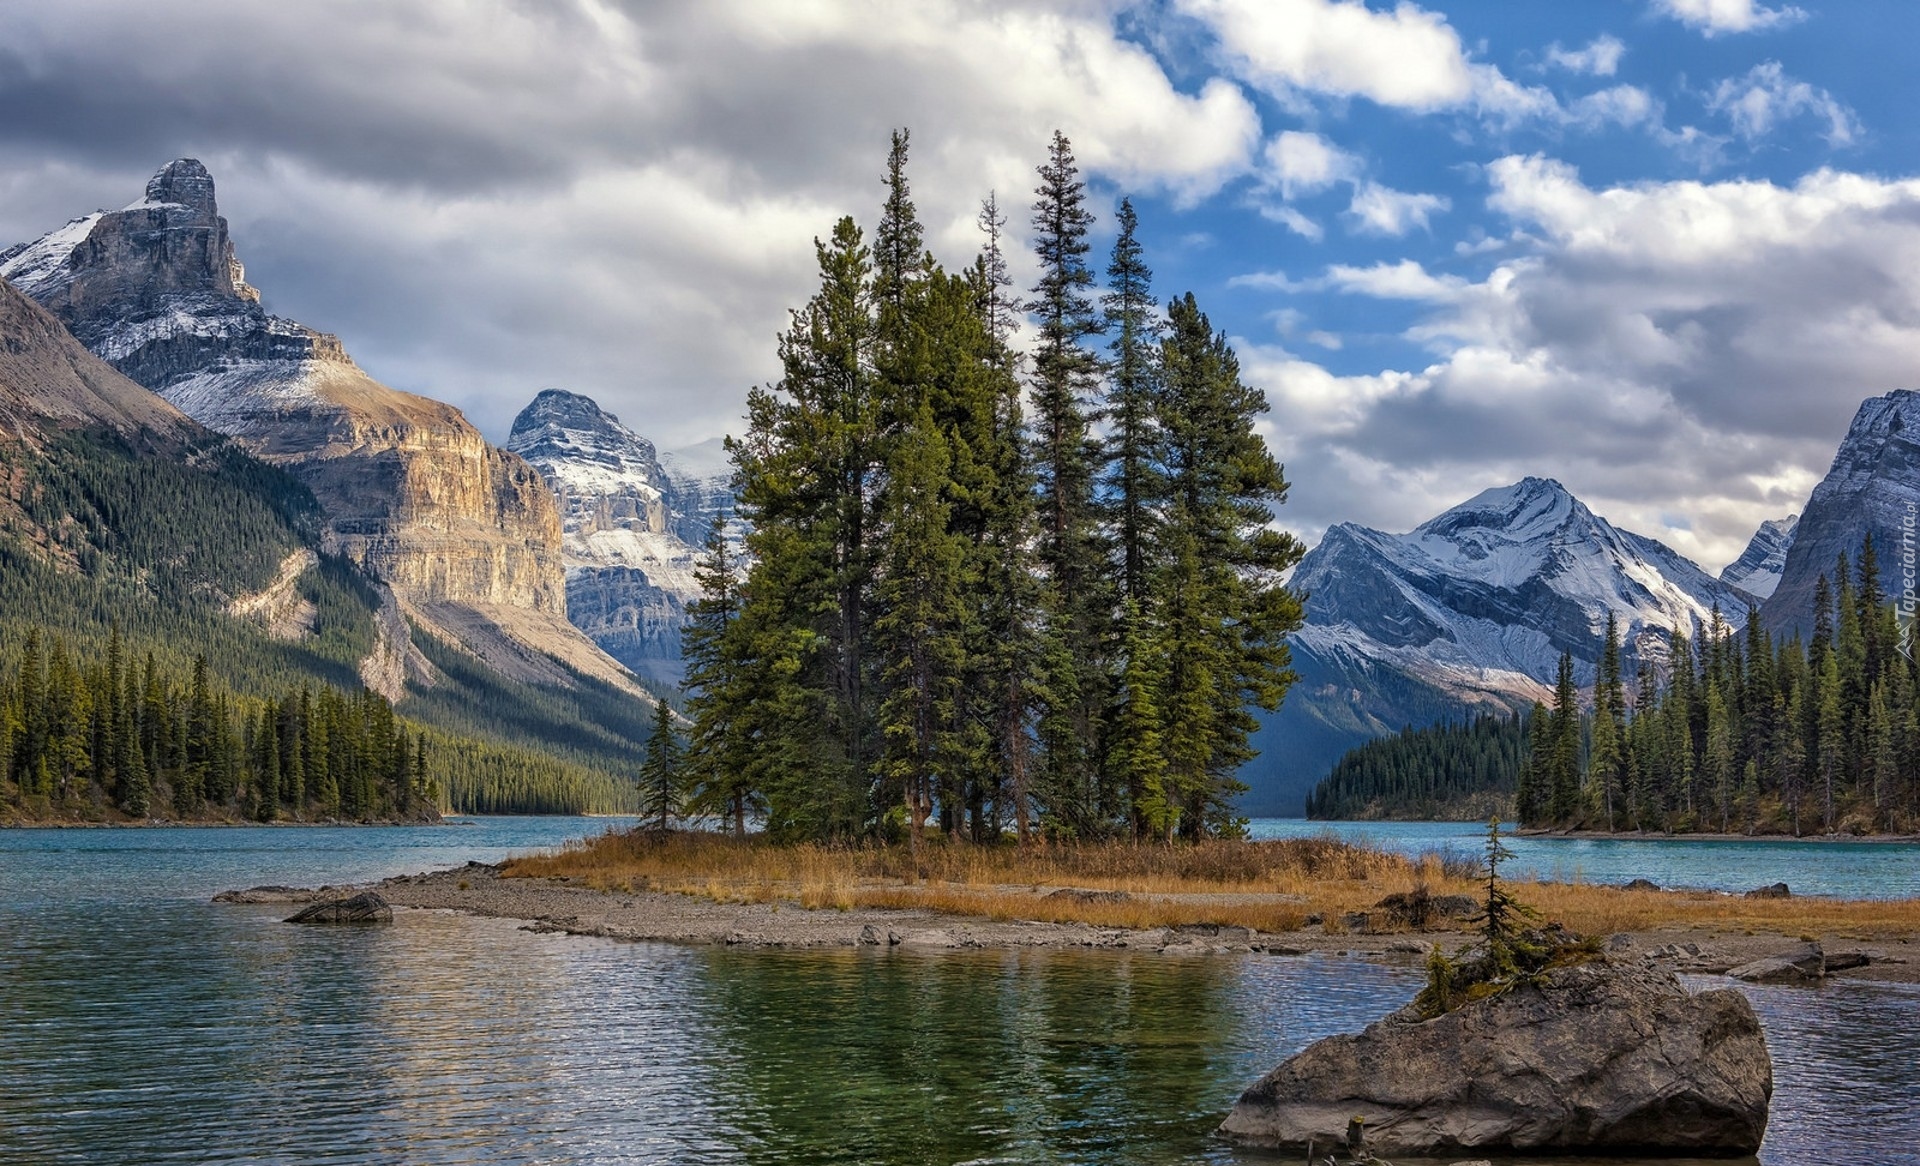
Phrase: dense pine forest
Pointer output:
(103, 539)
(1744, 732)
(1452, 771)
(951, 614)
(1740, 731)
(77, 738)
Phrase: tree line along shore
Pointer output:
(121, 736)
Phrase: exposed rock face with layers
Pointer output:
(46, 376)
(630, 568)
(464, 533)
(1597, 1058)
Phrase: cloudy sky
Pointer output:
(1659, 249)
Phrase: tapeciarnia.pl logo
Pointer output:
(1905, 612)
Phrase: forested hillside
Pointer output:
(83, 738)
(1454, 771)
(104, 532)
(1745, 732)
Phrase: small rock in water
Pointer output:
(268, 894)
(365, 907)
(1804, 965)
(1776, 891)
(870, 936)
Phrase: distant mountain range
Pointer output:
(570, 552)
(1469, 611)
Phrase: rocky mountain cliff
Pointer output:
(465, 534)
(48, 376)
(1757, 571)
(1873, 488)
(1471, 609)
(632, 526)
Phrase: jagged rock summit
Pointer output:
(1872, 488)
(630, 566)
(465, 534)
(1595, 1058)
(1758, 569)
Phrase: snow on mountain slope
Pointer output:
(411, 489)
(1502, 584)
(1469, 611)
(700, 487)
(1759, 567)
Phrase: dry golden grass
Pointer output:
(1269, 886)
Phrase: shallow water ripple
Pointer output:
(139, 1023)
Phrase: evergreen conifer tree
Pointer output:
(662, 783)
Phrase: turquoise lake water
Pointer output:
(141, 1023)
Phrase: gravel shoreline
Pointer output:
(556, 906)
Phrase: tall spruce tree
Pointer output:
(1071, 554)
(1563, 741)
(1607, 769)
(1224, 610)
(1008, 624)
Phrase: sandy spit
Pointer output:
(556, 906)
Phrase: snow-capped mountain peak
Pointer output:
(1472, 610)
(584, 449)
(1873, 488)
(1503, 583)
(632, 525)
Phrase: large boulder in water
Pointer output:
(1596, 1057)
(365, 907)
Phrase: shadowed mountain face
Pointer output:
(465, 534)
(1469, 611)
(1873, 489)
(46, 376)
(630, 566)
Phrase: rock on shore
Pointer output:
(365, 907)
(1598, 1057)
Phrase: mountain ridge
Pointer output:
(1872, 487)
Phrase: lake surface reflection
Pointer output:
(139, 1023)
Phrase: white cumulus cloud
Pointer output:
(1665, 348)
(1758, 102)
(1714, 17)
(1382, 210)
(1300, 163)
(1601, 57)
